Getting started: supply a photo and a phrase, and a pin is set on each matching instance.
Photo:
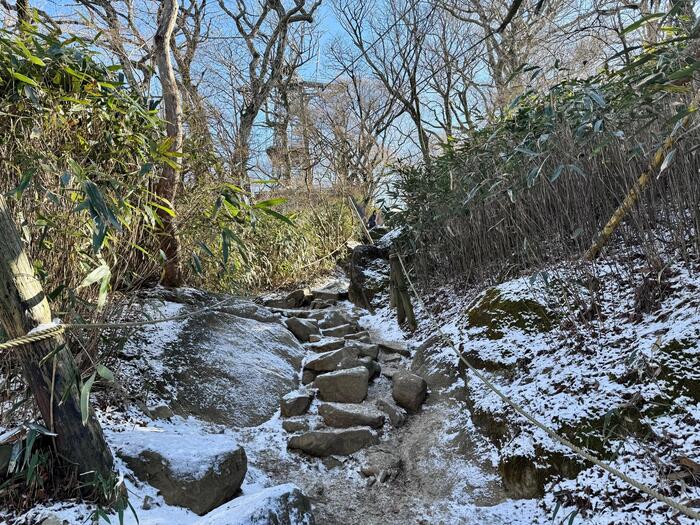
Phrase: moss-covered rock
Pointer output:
(496, 313)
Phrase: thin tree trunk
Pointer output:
(23, 306)
(242, 153)
(23, 12)
(168, 183)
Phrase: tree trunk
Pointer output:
(242, 152)
(23, 306)
(168, 183)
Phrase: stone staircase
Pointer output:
(353, 387)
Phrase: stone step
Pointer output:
(343, 386)
(340, 331)
(394, 347)
(302, 328)
(326, 344)
(322, 443)
(345, 415)
(296, 403)
(328, 361)
(409, 390)
(363, 349)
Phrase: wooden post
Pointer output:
(398, 292)
(23, 307)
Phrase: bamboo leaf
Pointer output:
(85, 398)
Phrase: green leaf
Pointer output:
(642, 22)
(105, 373)
(269, 203)
(277, 215)
(25, 79)
(97, 274)
(85, 398)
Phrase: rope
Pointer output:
(551, 433)
(57, 329)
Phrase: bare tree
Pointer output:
(266, 36)
(168, 183)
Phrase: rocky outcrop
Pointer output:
(209, 366)
(343, 386)
(295, 403)
(302, 328)
(346, 415)
(323, 443)
(409, 390)
(199, 491)
(369, 274)
(280, 505)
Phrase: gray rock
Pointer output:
(280, 505)
(333, 293)
(275, 302)
(344, 415)
(359, 336)
(314, 338)
(326, 344)
(409, 390)
(381, 462)
(307, 377)
(199, 493)
(340, 331)
(323, 443)
(295, 403)
(364, 349)
(371, 365)
(327, 361)
(302, 328)
(210, 363)
(396, 415)
(336, 318)
(343, 386)
(295, 425)
(319, 304)
(394, 347)
(148, 502)
(301, 297)
(369, 274)
(52, 519)
(161, 412)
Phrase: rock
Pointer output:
(333, 293)
(307, 377)
(409, 390)
(280, 505)
(314, 338)
(369, 274)
(52, 519)
(439, 373)
(391, 358)
(389, 371)
(363, 349)
(318, 304)
(201, 484)
(394, 347)
(396, 415)
(148, 503)
(372, 366)
(161, 412)
(336, 318)
(323, 443)
(343, 386)
(301, 297)
(295, 425)
(295, 403)
(275, 302)
(346, 415)
(359, 336)
(326, 344)
(381, 462)
(339, 331)
(208, 366)
(327, 361)
(302, 328)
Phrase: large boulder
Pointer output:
(344, 415)
(295, 403)
(326, 344)
(323, 443)
(199, 472)
(369, 274)
(327, 361)
(302, 328)
(409, 390)
(297, 298)
(227, 365)
(343, 386)
(340, 330)
(336, 318)
(372, 366)
(280, 505)
(333, 292)
(363, 349)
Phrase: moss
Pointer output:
(496, 313)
